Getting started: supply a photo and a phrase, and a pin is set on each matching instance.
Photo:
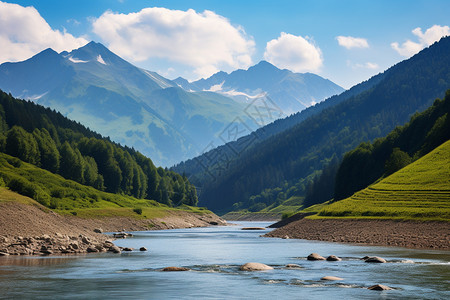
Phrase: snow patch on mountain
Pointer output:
(215, 88)
(100, 60)
(77, 61)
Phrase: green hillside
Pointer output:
(69, 197)
(421, 190)
(48, 140)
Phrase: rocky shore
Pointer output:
(408, 234)
(35, 230)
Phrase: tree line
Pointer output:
(47, 139)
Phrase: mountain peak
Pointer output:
(93, 51)
(94, 46)
(264, 66)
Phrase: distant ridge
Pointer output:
(292, 92)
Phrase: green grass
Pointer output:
(291, 205)
(67, 197)
(10, 196)
(420, 191)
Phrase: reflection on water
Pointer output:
(214, 256)
(36, 260)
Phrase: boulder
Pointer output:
(114, 249)
(98, 230)
(331, 278)
(85, 240)
(286, 237)
(333, 258)
(119, 235)
(100, 248)
(175, 269)
(315, 256)
(255, 267)
(375, 259)
(4, 254)
(142, 249)
(91, 249)
(379, 287)
(128, 249)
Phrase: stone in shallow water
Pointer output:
(375, 259)
(315, 256)
(255, 267)
(379, 287)
(331, 278)
(333, 258)
(142, 249)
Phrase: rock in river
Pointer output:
(255, 267)
(331, 278)
(375, 259)
(333, 258)
(379, 287)
(315, 256)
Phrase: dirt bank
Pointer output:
(35, 230)
(409, 234)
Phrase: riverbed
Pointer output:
(213, 256)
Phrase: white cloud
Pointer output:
(431, 35)
(350, 42)
(24, 33)
(367, 65)
(205, 41)
(295, 53)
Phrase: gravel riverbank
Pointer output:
(35, 230)
(409, 234)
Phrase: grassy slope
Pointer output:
(420, 191)
(69, 197)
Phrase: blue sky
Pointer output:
(344, 41)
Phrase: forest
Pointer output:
(45, 138)
(385, 156)
(285, 164)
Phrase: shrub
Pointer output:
(138, 211)
(26, 188)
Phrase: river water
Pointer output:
(214, 255)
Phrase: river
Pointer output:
(214, 255)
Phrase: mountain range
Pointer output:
(291, 92)
(132, 106)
